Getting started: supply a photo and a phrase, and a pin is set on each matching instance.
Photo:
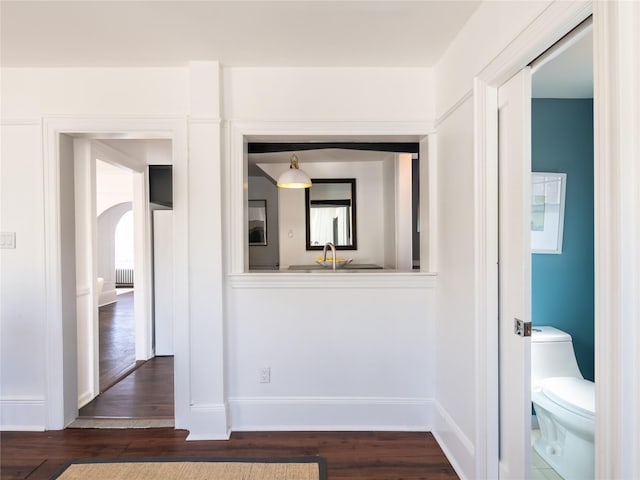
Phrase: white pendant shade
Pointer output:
(294, 177)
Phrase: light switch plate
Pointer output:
(7, 239)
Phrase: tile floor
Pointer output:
(540, 470)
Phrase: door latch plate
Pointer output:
(521, 328)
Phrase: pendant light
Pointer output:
(294, 177)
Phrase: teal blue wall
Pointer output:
(562, 285)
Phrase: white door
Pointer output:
(163, 280)
(514, 159)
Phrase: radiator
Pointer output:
(124, 277)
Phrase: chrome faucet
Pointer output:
(333, 252)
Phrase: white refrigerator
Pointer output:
(163, 281)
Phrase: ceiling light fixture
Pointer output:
(294, 177)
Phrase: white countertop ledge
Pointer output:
(350, 279)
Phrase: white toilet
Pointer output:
(564, 403)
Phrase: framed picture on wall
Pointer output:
(547, 211)
(257, 222)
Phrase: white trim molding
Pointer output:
(330, 414)
(59, 397)
(323, 279)
(110, 155)
(208, 422)
(23, 414)
(617, 238)
(448, 434)
(550, 26)
(239, 133)
(20, 122)
(486, 298)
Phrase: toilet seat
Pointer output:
(575, 394)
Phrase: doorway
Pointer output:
(517, 218)
(80, 154)
(61, 325)
(116, 268)
(562, 280)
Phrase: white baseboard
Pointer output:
(457, 447)
(85, 398)
(207, 422)
(330, 414)
(107, 297)
(23, 414)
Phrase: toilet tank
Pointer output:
(552, 355)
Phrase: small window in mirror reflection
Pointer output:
(257, 222)
(331, 213)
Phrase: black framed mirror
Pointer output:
(330, 208)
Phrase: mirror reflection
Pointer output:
(331, 213)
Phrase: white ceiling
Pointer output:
(312, 33)
(319, 33)
(569, 75)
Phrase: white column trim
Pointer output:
(142, 259)
(617, 238)
(486, 298)
(53, 284)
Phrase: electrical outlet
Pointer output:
(7, 239)
(265, 375)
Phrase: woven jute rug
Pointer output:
(299, 468)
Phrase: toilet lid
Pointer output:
(575, 394)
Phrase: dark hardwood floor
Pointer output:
(147, 392)
(129, 389)
(117, 340)
(349, 455)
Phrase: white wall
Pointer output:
(266, 256)
(489, 30)
(36, 92)
(350, 352)
(455, 345)
(340, 358)
(29, 97)
(389, 205)
(22, 278)
(404, 210)
(371, 321)
(114, 197)
(163, 281)
(113, 185)
(389, 94)
(107, 223)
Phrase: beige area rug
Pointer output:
(122, 423)
(300, 468)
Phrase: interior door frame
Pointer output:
(617, 261)
(62, 388)
(556, 21)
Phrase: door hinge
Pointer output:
(521, 328)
